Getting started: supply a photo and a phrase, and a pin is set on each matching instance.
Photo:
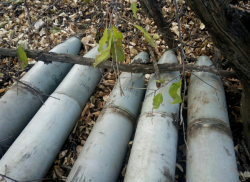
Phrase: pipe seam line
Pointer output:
(211, 121)
(207, 124)
(122, 111)
(64, 93)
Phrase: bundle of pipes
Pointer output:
(210, 154)
(19, 106)
(153, 155)
(33, 152)
(102, 156)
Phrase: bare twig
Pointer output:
(27, 9)
(116, 56)
(183, 56)
(241, 159)
(205, 82)
(157, 72)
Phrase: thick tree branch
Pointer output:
(48, 57)
(229, 27)
(151, 8)
(229, 30)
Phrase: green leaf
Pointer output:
(157, 100)
(174, 92)
(103, 40)
(1, 75)
(117, 45)
(156, 36)
(55, 30)
(134, 8)
(18, 1)
(146, 35)
(160, 81)
(117, 33)
(104, 54)
(87, 1)
(119, 51)
(22, 56)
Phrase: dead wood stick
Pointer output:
(48, 57)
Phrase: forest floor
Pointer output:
(69, 18)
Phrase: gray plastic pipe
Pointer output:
(33, 152)
(153, 155)
(210, 154)
(103, 153)
(18, 108)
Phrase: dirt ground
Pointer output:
(69, 18)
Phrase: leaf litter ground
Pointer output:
(70, 17)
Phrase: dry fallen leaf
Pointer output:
(174, 28)
(179, 167)
(202, 26)
(58, 171)
(2, 90)
(124, 170)
(183, 148)
(245, 175)
(96, 113)
(62, 154)
(78, 149)
(106, 97)
(85, 40)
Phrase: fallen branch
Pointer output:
(49, 57)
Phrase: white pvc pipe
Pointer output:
(33, 152)
(103, 153)
(210, 154)
(19, 106)
(153, 154)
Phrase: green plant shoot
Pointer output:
(160, 81)
(117, 46)
(55, 30)
(103, 40)
(146, 35)
(174, 92)
(22, 56)
(156, 36)
(114, 47)
(134, 8)
(104, 54)
(157, 100)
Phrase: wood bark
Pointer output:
(229, 27)
(48, 57)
